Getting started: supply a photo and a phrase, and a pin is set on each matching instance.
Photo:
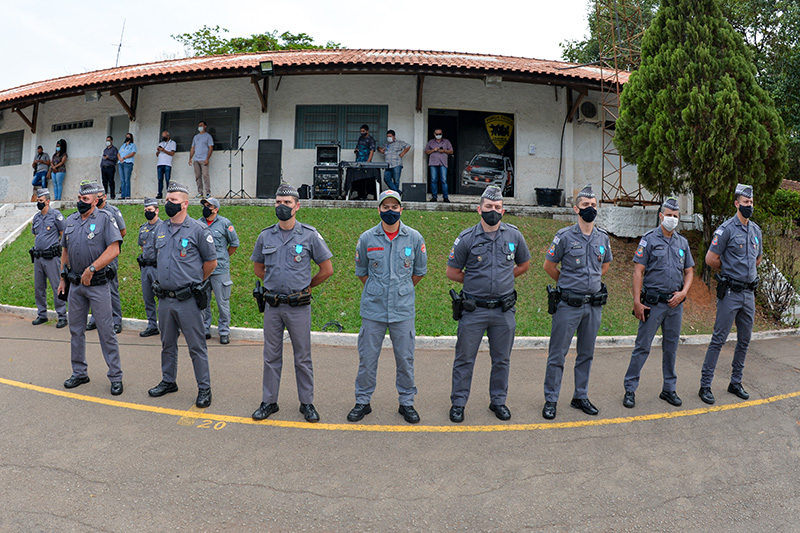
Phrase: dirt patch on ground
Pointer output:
(700, 309)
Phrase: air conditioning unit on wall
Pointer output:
(589, 112)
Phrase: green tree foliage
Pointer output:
(587, 50)
(693, 118)
(210, 41)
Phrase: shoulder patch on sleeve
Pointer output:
(719, 231)
(60, 216)
(422, 248)
(113, 221)
(210, 239)
(643, 244)
(556, 239)
(458, 240)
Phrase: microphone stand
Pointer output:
(241, 193)
(230, 193)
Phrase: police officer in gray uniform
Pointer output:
(47, 225)
(90, 243)
(584, 252)
(225, 243)
(390, 260)
(736, 250)
(662, 276)
(147, 265)
(116, 304)
(282, 260)
(186, 257)
(486, 258)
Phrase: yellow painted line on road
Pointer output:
(200, 415)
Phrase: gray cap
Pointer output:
(287, 190)
(744, 190)
(586, 192)
(90, 187)
(150, 201)
(210, 200)
(174, 186)
(492, 193)
(42, 192)
(389, 194)
(671, 203)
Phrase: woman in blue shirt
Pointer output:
(125, 156)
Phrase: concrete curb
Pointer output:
(323, 338)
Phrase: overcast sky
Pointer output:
(40, 40)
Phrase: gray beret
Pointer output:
(671, 203)
(287, 190)
(150, 201)
(42, 192)
(586, 192)
(91, 187)
(744, 190)
(174, 186)
(492, 193)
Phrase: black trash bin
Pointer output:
(547, 197)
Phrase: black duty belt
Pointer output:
(739, 286)
(146, 262)
(184, 293)
(653, 297)
(100, 277)
(49, 253)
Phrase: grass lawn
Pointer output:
(338, 298)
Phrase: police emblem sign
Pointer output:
(499, 128)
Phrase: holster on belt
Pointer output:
(553, 297)
(722, 285)
(297, 299)
(508, 301)
(200, 291)
(33, 255)
(600, 298)
(145, 262)
(64, 295)
(258, 294)
(457, 301)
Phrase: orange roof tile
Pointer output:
(397, 60)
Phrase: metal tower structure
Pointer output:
(619, 30)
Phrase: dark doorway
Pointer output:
(476, 136)
(268, 171)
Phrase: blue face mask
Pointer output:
(390, 217)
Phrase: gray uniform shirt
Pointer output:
(664, 260)
(488, 263)
(738, 246)
(181, 251)
(224, 235)
(581, 257)
(388, 294)
(47, 228)
(288, 264)
(42, 167)
(86, 240)
(147, 239)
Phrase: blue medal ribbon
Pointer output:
(408, 251)
(184, 242)
(91, 227)
(298, 248)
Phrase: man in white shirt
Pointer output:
(164, 152)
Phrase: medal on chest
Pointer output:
(602, 252)
(755, 242)
(408, 256)
(91, 231)
(511, 247)
(184, 244)
(298, 248)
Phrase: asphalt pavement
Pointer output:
(82, 460)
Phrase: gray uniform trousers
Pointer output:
(116, 305)
(297, 321)
(669, 319)
(149, 274)
(80, 299)
(222, 293)
(370, 340)
(176, 317)
(738, 306)
(586, 320)
(499, 328)
(44, 270)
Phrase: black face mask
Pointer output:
(149, 215)
(588, 213)
(390, 217)
(283, 212)
(165, 139)
(172, 209)
(40, 205)
(83, 207)
(746, 210)
(491, 217)
(206, 211)
(128, 139)
(101, 202)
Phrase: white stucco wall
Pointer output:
(538, 110)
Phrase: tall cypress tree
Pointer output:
(693, 118)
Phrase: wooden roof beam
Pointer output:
(32, 121)
(262, 91)
(130, 109)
